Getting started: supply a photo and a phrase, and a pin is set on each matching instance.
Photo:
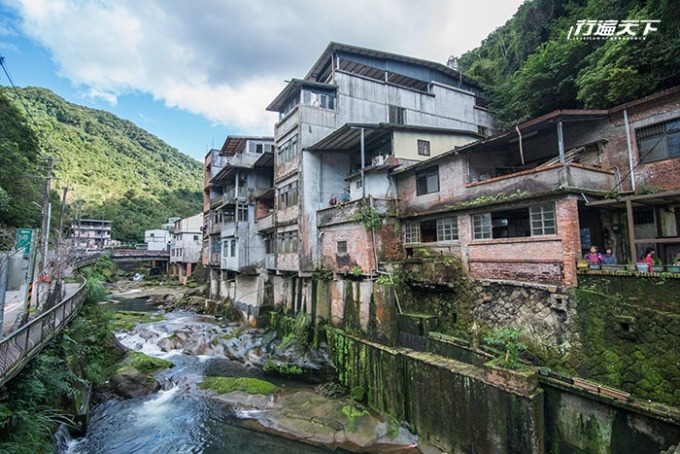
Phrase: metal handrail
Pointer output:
(17, 349)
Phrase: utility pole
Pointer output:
(46, 213)
(55, 295)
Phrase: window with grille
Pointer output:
(543, 219)
(424, 147)
(342, 247)
(269, 244)
(447, 229)
(411, 232)
(659, 141)
(427, 180)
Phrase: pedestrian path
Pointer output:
(15, 303)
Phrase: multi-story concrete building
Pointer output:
(238, 174)
(352, 85)
(91, 233)
(185, 248)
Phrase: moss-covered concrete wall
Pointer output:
(629, 344)
(447, 402)
(578, 424)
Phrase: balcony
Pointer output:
(266, 222)
(215, 228)
(347, 212)
(544, 179)
(215, 258)
(230, 263)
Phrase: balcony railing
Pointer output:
(545, 179)
(266, 222)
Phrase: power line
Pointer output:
(16, 92)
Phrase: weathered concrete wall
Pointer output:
(629, 329)
(448, 403)
(580, 424)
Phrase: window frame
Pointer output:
(425, 178)
(665, 133)
(411, 231)
(423, 147)
(447, 226)
(341, 247)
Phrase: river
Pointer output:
(180, 418)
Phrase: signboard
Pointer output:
(24, 237)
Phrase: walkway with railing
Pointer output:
(17, 349)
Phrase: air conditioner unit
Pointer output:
(378, 160)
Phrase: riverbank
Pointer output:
(203, 346)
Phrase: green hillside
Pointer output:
(114, 169)
(530, 67)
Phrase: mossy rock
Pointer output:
(224, 385)
(127, 320)
(144, 363)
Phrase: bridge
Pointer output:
(139, 255)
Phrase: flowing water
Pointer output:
(180, 418)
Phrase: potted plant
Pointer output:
(658, 266)
(506, 370)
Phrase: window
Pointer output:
(288, 150)
(195, 237)
(643, 216)
(483, 130)
(288, 242)
(233, 244)
(342, 247)
(424, 147)
(481, 226)
(427, 180)
(269, 244)
(242, 211)
(358, 184)
(659, 141)
(411, 232)
(447, 229)
(325, 100)
(288, 195)
(397, 115)
(543, 219)
(516, 223)
(258, 148)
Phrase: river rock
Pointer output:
(130, 383)
(318, 420)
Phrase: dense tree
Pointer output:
(530, 67)
(115, 169)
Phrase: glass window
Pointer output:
(288, 195)
(288, 150)
(447, 229)
(543, 219)
(342, 247)
(288, 242)
(397, 115)
(411, 232)
(424, 147)
(659, 141)
(427, 180)
(481, 225)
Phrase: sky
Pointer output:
(194, 71)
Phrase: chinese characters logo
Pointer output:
(612, 29)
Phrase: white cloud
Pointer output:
(226, 60)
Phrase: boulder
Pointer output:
(129, 382)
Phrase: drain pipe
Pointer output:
(630, 150)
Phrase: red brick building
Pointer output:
(524, 205)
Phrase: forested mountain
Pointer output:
(530, 67)
(114, 169)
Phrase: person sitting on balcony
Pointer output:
(593, 257)
(333, 200)
(609, 257)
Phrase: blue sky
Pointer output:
(194, 71)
